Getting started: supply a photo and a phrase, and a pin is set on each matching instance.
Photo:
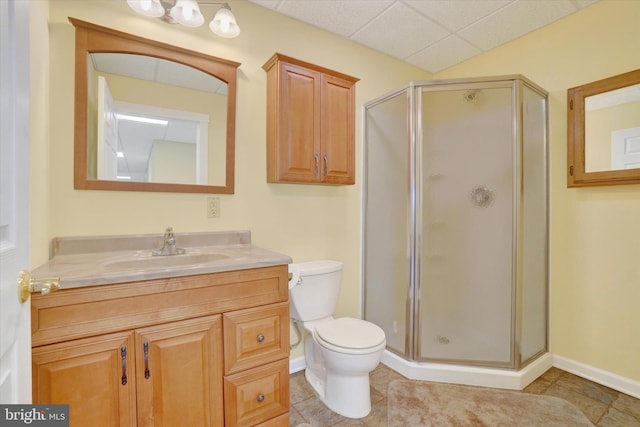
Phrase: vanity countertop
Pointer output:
(90, 261)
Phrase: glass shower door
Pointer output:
(467, 234)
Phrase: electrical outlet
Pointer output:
(213, 207)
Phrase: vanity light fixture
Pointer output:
(187, 13)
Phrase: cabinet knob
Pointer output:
(260, 338)
(260, 397)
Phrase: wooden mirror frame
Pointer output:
(577, 176)
(92, 38)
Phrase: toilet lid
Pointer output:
(347, 332)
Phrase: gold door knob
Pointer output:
(26, 285)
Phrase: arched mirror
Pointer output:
(603, 132)
(151, 116)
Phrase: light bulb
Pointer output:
(224, 23)
(187, 12)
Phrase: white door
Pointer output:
(15, 335)
(625, 148)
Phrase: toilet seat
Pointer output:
(349, 335)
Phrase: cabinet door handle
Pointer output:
(123, 355)
(145, 348)
(316, 157)
(326, 164)
(260, 397)
(260, 338)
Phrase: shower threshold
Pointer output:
(469, 375)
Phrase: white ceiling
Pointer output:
(430, 34)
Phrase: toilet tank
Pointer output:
(314, 288)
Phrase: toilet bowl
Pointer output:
(339, 352)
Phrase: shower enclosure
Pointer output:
(455, 205)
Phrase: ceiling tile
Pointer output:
(400, 32)
(176, 74)
(457, 14)
(443, 54)
(515, 20)
(343, 17)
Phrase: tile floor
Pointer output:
(603, 406)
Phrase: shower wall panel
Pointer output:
(388, 210)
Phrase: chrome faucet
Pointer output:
(169, 245)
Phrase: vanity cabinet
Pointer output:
(205, 350)
(310, 123)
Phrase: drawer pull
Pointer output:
(123, 355)
(326, 164)
(260, 338)
(145, 348)
(260, 397)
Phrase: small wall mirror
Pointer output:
(150, 116)
(603, 132)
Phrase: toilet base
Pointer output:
(345, 393)
(349, 397)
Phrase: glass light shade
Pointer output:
(224, 23)
(151, 8)
(187, 13)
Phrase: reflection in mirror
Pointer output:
(150, 116)
(155, 121)
(612, 130)
(603, 132)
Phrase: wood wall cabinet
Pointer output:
(310, 123)
(207, 350)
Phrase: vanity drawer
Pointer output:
(255, 336)
(257, 395)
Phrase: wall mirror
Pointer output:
(151, 116)
(603, 132)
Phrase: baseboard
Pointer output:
(605, 378)
(297, 364)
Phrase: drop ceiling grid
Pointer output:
(430, 34)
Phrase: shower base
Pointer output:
(469, 375)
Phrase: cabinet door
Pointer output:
(179, 372)
(337, 131)
(298, 125)
(95, 376)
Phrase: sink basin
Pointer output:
(166, 261)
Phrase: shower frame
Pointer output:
(413, 91)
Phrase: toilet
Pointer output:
(339, 352)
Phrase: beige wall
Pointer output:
(595, 273)
(595, 276)
(306, 222)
